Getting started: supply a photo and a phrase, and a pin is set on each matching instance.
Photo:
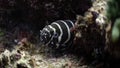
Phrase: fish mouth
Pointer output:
(42, 40)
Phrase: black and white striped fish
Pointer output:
(57, 33)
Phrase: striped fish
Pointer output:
(57, 33)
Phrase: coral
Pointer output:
(18, 58)
(90, 39)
